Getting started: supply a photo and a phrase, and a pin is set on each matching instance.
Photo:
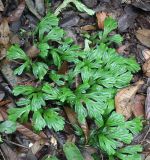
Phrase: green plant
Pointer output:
(101, 71)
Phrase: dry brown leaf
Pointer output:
(88, 28)
(73, 120)
(100, 19)
(1, 6)
(33, 51)
(146, 68)
(138, 107)
(147, 104)
(16, 14)
(124, 99)
(143, 35)
(4, 33)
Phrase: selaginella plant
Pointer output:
(101, 71)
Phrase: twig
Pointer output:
(16, 144)
(2, 154)
(145, 135)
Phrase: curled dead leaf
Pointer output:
(4, 33)
(143, 35)
(100, 19)
(146, 68)
(124, 99)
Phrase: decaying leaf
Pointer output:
(124, 99)
(146, 54)
(4, 33)
(39, 4)
(143, 35)
(88, 28)
(9, 153)
(33, 51)
(146, 68)
(16, 14)
(100, 19)
(147, 104)
(1, 6)
(138, 107)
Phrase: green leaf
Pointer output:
(117, 38)
(15, 113)
(15, 52)
(72, 152)
(54, 35)
(56, 58)
(109, 25)
(51, 93)
(37, 101)
(46, 24)
(82, 8)
(24, 90)
(19, 70)
(44, 49)
(129, 153)
(53, 120)
(8, 127)
(135, 125)
(39, 70)
(38, 121)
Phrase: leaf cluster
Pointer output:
(101, 71)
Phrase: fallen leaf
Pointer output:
(88, 28)
(138, 107)
(124, 99)
(64, 68)
(87, 155)
(32, 9)
(9, 153)
(4, 33)
(146, 68)
(33, 51)
(100, 19)
(37, 146)
(143, 35)
(147, 104)
(2, 95)
(146, 54)
(2, 53)
(1, 6)
(16, 14)
(122, 48)
(73, 120)
(39, 5)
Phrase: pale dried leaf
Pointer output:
(1, 6)
(4, 33)
(146, 54)
(39, 5)
(147, 104)
(16, 14)
(124, 99)
(100, 19)
(143, 35)
(2, 53)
